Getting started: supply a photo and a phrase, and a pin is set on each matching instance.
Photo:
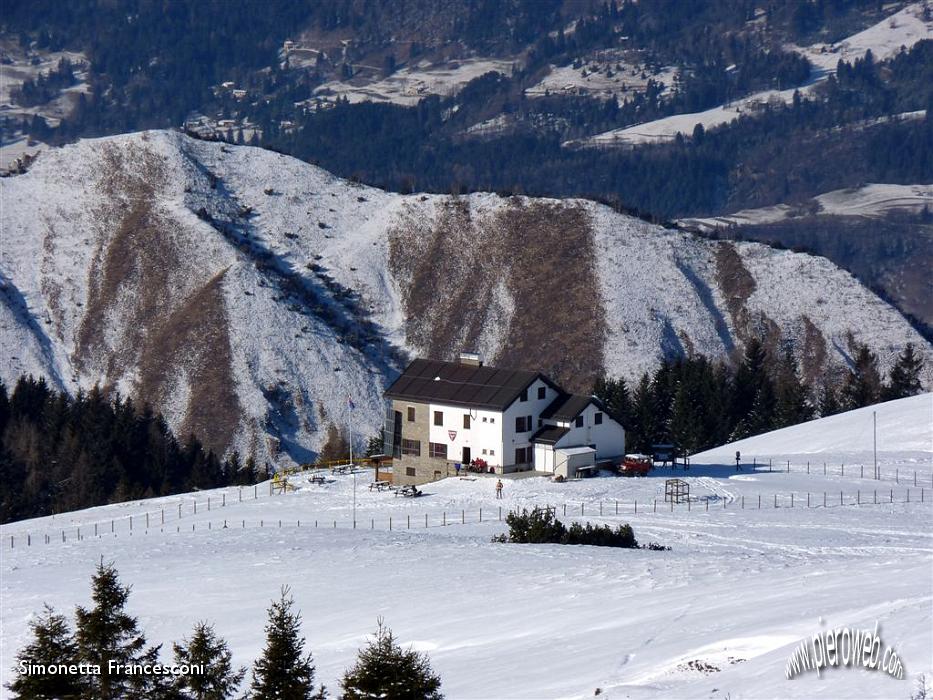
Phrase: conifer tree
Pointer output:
(385, 670)
(284, 671)
(220, 679)
(862, 386)
(829, 401)
(905, 375)
(792, 405)
(107, 635)
(614, 394)
(52, 643)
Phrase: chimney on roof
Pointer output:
(474, 359)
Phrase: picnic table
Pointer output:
(316, 479)
(341, 469)
(408, 492)
(380, 486)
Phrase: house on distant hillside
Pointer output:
(448, 413)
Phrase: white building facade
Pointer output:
(449, 414)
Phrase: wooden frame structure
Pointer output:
(676, 490)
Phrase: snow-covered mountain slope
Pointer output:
(869, 201)
(247, 293)
(717, 616)
(903, 28)
(903, 426)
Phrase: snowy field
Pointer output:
(717, 616)
(869, 201)
(408, 85)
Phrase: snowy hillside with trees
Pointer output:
(760, 560)
(246, 294)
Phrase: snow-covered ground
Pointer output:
(607, 75)
(408, 85)
(868, 201)
(17, 67)
(903, 28)
(717, 616)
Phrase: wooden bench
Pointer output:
(408, 492)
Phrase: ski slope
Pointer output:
(715, 617)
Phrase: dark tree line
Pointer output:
(108, 637)
(60, 453)
(697, 404)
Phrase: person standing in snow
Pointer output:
(499, 489)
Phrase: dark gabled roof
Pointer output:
(549, 434)
(568, 406)
(458, 384)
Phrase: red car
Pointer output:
(636, 465)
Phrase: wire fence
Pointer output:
(163, 521)
(855, 470)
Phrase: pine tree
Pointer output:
(385, 670)
(220, 679)
(905, 375)
(792, 405)
(284, 671)
(753, 400)
(829, 401)
(615, 396)
(107, 636)
(862, 386)
(53, 643)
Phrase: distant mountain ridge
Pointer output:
(248, 294)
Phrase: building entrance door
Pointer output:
(466, 455)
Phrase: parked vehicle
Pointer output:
(636, 465)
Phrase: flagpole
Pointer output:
(350, 431)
